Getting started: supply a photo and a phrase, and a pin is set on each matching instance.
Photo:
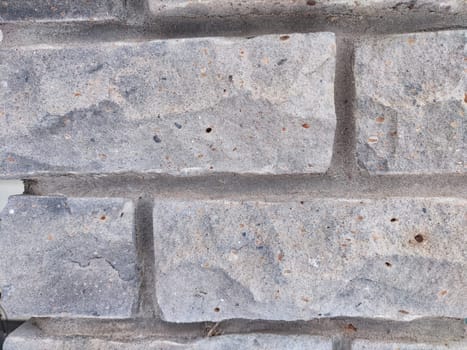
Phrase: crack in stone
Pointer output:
(88, 263)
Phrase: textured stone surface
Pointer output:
(188, 106)
(29, 337)
(410, 103)
(375, 345)
(197, 8)
(397, 258)
(67, 257)
(44, 10)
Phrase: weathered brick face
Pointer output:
(234, 174)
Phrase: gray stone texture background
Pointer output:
(389, 258)
(72, 257)
(241, 174)
(179, 107)
(413, 120)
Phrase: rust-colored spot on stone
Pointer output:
(411, 41)
(359, 218)
(280, 256)
(443, 293)
(419, 238)
(379, 120)
(350, 328)
(10, 159)
(77, 94)
(373, 139)
(103, 218)
(284, 37)
(306, 125)
(50, 238)
(311, 2)
(465, 97)
(403, 312)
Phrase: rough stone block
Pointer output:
(397, 258)
(263, 105)
(68, 257)
(411, 104)
(190, 8)
(29, 337)
(375, 345)
(50, 10)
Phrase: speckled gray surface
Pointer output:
(29, 337)
(263, 105)
(47, 10)
(68, 257)
(391, 258)
(414, 119)
(378, 345)
(189, 8)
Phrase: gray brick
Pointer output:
(410, 108)
(67, 257)
(29, 337)
(375, 345)
(396, 258)
(49, 10)
(188, 106)
(189, 8)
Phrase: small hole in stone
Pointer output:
(216, 309)
(311, 2)
(121, 215)
(208, 130)
(388, 264)
(419, 238)
(103, 217)
(284, 37)
(394, 220)
(302, 202)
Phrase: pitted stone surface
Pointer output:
(190, 8)
(67, 257)
(397, 258)
(411, 103)
(29, 337)
(189, 106)
(47, 10)
(375, 345)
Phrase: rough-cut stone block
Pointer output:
(190, 8)
(188, 106)
(411, 104)
(375, 345)
(396, 258)
(29, 337)
(47, 10)
(67, 257)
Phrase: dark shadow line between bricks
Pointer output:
(343, 162)
(342, 330)
(146, 258)
(140, 27)
(260, 187)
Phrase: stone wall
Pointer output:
(213, 174)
